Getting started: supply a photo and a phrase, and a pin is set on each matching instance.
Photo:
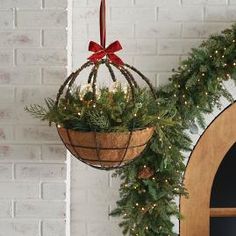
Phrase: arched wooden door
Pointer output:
(200, 173)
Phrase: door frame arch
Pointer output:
(202, 166)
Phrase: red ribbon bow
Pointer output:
(100, 52)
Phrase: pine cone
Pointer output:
(145, 173)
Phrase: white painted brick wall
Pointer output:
(19, 227)
(32, 160)
(53, 227)
(155, 35)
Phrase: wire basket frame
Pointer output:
(93, 147)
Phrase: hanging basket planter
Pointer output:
(103, 128)
(106, 150)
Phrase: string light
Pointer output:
(137, 204)
(203, 74)
(58, 126)
(79, 114)
(216, 51)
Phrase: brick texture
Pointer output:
(33, 61)
(155, 35)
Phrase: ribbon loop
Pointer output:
(114, 47)
(95, 47)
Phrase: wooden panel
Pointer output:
(201, 170)
(223, 212)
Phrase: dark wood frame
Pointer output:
(204, 162)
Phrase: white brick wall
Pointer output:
(155, 35)
(32, 160)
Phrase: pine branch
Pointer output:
(97, 120)
(37, 111)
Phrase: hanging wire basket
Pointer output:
(105, 150)
(98, 149)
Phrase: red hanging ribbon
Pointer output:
(100, 51)
(103, 30)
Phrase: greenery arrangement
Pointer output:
(113, 111)
(151, 184)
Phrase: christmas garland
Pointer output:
(152, 183)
